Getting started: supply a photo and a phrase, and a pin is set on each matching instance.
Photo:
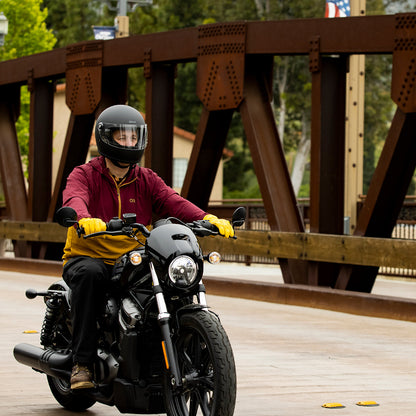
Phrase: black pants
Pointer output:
(88, 279)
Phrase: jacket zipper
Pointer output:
(118, 192)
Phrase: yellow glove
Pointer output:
(92, 225)
(224, 226)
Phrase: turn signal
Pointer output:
(135, 258)
(214, 257)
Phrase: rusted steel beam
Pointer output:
(113, 89)
(328, 146)
(269, 161)
(40, 153)
(10, 162)
(40, 148)
(353, 35)
(327, 158)
(266, 149)
(83, 73)
(221, 58)
(49, 64)
(403, 91)
(206, 155)
(160, 92)
(385, 196)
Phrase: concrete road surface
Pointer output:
(290, 360)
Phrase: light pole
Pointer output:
(122, 6)
(4, 27)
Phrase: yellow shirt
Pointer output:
(105, 247)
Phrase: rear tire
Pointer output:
(61, 390)
(206, 361)
(61, 340)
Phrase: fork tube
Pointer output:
(163, 319)
(202, 295)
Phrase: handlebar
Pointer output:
(122, 228)
(66, 216)
(115, 227)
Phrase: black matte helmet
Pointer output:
(125, 119)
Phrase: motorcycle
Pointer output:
(160, 348)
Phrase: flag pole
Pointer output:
(354, 129)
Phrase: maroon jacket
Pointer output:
(93, 192)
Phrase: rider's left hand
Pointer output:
(224, 226)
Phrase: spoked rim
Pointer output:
(198, 392)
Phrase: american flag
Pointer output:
(337, 8)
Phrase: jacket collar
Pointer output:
(99, 164)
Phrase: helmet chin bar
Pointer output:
(119, 165)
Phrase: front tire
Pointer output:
(206, 363)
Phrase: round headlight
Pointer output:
(183, 271)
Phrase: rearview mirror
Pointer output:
(66, 216)
(239, 217)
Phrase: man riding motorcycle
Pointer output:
(107, 187)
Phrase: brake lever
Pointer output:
(80, 231)
(120, 232)
(124, 231)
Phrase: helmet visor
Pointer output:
(130, 136)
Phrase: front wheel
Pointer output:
(206, 363)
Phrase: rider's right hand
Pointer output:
(92, 225)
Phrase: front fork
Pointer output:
(171, 361)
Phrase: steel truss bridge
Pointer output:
(234, 68)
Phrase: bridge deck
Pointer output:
(290, 360)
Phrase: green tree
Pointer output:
(72, 20)
(27, 35)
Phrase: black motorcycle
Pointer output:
(160, 348)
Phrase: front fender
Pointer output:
(192, 308)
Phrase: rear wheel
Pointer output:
(61, 339)
(206, 363)
(61, 390)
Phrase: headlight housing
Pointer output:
(183, 272)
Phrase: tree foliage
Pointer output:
(28, 33)
(72, 20)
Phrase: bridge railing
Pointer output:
(405, 229)
(340, 249)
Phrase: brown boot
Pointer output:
(81, 378)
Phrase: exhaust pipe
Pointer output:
(50, 362)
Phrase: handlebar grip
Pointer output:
(206, 224)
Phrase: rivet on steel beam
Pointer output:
(30, 80)
(147, 63)
(314, 55)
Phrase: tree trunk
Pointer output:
(281, 81)
(301, 158)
